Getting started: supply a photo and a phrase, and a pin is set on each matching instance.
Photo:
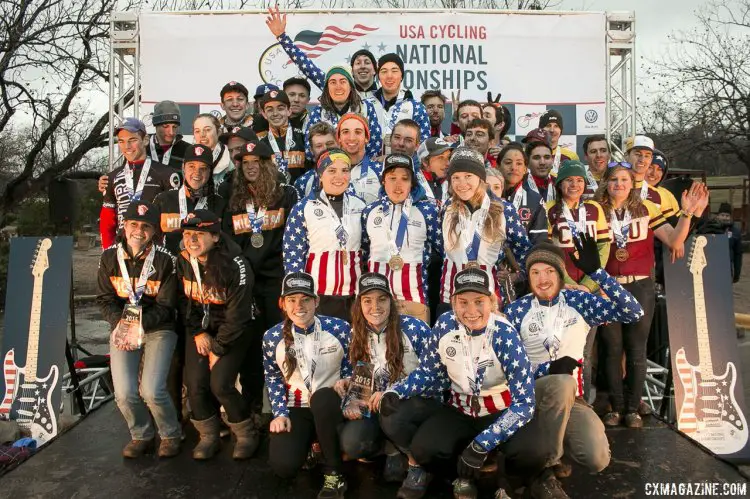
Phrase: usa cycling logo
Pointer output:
(591, 116)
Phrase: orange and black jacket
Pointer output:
(230, 308)
(159, 298)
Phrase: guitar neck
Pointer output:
(32, 351)
(701, 327)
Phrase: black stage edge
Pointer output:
(85, 462)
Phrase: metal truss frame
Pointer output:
(124, 79)
(621, 112)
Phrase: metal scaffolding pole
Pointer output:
(124, 75)
(621, 112)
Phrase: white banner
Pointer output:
(531, 59)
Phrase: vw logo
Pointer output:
(450, 351)
(591, 116)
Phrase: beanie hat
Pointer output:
(329, 156)
(366, 53)
(353, 116)
(659, 160)
(166, 111)
(391, 58)
(141, 211)
(725, 208)
(570, 168)
(551, 116)
(546, 252)
(344, 71)
(465, 159)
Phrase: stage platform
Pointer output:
(85, 462)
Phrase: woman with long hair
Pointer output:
(475, 227)
(214, 306)
(569, 216)
(634, 223)
(206, 129)
(390, 345)
(305, 359)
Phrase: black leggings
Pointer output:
(207, 386)
(288, 451)
(633, 338)
(336, 306)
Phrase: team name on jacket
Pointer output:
(507, 385)
(575, 312)
(422, 235)
(331, 363)
(311, 244)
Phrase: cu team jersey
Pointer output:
(640, 243)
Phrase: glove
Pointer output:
(565, 365)
(588, 254)
(389, 404)
(471, 460)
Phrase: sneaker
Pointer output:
(562, 470)
(169, 447)
(611, 419)
(464, 489)
(633, 420)
(137, 448)
(415, 484)
(334, 486)
(395, 468)
(547, 487)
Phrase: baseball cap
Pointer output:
(254, 148)
(371, 281)
(200, 153)
(233, 86)
(296, 80)
(432, 147)
(551, 116)
(536, 135)
(202, 221)
(298, 283)
(274, 96)
(471, 279)
(639, 142)
(141, 211)
(243, 132)
(133, 125)
(397, 160)
(262, 90)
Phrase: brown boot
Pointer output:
(169, 447)
(247, 439)
(137, 448)
(209, 443)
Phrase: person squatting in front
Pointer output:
(399, 232)
(554, 324)
(214, 306)
(323, 235)
(304, 357)
(388, 345)
(132, 299)
(477, 355)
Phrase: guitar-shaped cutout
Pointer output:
(709, 412)
(27, 398)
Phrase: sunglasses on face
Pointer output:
(624, 164)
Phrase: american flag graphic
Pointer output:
(314, 43)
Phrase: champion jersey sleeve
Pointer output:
(342, 331)
(364, 244)
(302, 183)
(511, 353)
(375, 145)
(315, 117)
(239, 305)
(515, 313)
(296, 245)
(420, 116)
(272, 372)
(418, 333)
(519, 241)
(308, 67)
(431, 376)
(432, 220)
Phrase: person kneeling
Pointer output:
(554, 324)
(304, 357)
(478, 355)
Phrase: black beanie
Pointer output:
(465, 159)
(391, 58)
(366, 53)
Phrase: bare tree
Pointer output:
(702, 104)
(468, 4)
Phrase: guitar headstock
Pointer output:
(697, 257)
(41, 262)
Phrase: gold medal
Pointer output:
(345, 257)
(473, 264)
(622, 254)
(396, 262)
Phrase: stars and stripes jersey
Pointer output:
(414, 336)
(562, 237)
(311, 244)
(292, 161)
(579, 311)
(660, 198)
(530, 210)
(159, 295)
(365, 179)
(640, 243)
(171, 223)
(507, 387)
(331, 363)
(367, 111)
(379, 229)
(490, 254)
(405, 107)
(305, 183)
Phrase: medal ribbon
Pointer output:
(576, 228)
(136, 194)
(134, 295)
(620, 228)
(307, 364)
(217, 152)
(471, 228)
(155, 156)
(556, 162)
(519, 198)
(550, 325)
(289, 143)
(340, 229)
(394, 246)
(380, 369)
(644, 190)
(474, 371)
(256, 221)
(182, 200)
(204, 301)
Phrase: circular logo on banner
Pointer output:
(275, 66)
(450, 351)
(591, 116)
